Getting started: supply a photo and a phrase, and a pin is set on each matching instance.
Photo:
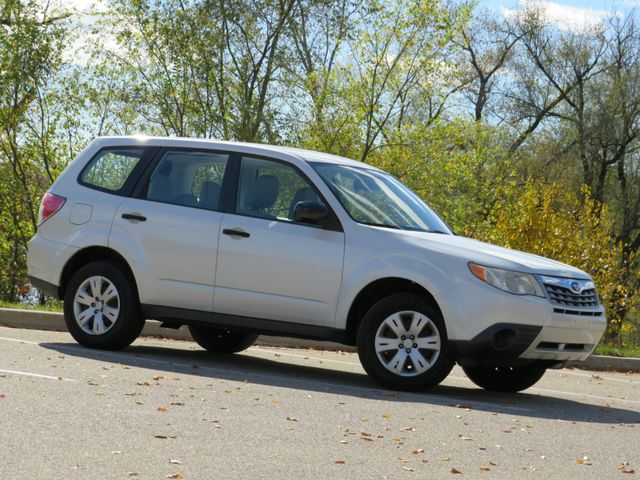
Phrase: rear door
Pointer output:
(171, 229)
(270, 266)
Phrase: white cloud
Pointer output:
(565, 17)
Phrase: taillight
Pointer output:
(50, 204)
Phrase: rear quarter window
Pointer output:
(110, 169)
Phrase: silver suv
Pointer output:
(236, 240)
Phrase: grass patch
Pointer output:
(54, 307)
(617, 351)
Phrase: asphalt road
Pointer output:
(166, 409)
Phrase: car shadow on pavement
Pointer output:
(279, 373)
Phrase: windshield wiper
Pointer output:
(438, 231)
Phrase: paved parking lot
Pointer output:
(166, 409)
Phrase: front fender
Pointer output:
(432, 276)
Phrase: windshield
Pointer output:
(376, 198)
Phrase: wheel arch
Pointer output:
(375, 291)
(91, 254)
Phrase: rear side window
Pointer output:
(110, 169)
(189, 178)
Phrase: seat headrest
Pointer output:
(210, 195)
(263, 193)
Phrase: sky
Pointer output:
(577, 4)
(566, 14)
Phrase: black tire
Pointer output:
(128, 323)
(222, 340)
(505, 379)
(408, 379)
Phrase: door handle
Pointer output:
(236, 233)
(134, 216)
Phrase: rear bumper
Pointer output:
(46, 260)
(48, 288)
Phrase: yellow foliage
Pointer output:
(552, 222)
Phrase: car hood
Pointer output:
(490, 255)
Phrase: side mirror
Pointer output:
(310, 212)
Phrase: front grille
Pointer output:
(565, 296)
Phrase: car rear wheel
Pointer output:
(222, 340)
(101, 307)
(505, 379)
(402, 343)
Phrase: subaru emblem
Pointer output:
(576, 287)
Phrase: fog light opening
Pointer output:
(504, 339)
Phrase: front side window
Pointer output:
(376, 198)
(271, 190)
(190, 179)
(110, 169)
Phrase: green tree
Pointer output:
(31, 39)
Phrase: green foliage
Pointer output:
(552, 222)
(31, 41)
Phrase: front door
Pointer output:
(270, 266)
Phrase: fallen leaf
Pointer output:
(409, 429)
(455, 471)
(131, 394)
(484, 469)
(177, 476)
(365, 434)
(491, 462)
(339, 462)
(1, 396)
(133, 474)
(138, 402)
(158, 377)
(178, 404)
(143, 384)
(343, 441)
(506, 430)
(161, 409)
(626, 468)
(116, 452)
(92, 383)
(292, 419)
(386, 415)
(408, 469)
(418, 451)
(175, 462)
(368, 439)
(596, 377)
(164, 437)
(462, 437)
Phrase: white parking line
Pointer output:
(591, 375)
(36, 375)
(17, 340)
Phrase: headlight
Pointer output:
(513, 282)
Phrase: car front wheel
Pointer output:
(402, 343)
(505, 379)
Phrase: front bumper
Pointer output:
(491, 327)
